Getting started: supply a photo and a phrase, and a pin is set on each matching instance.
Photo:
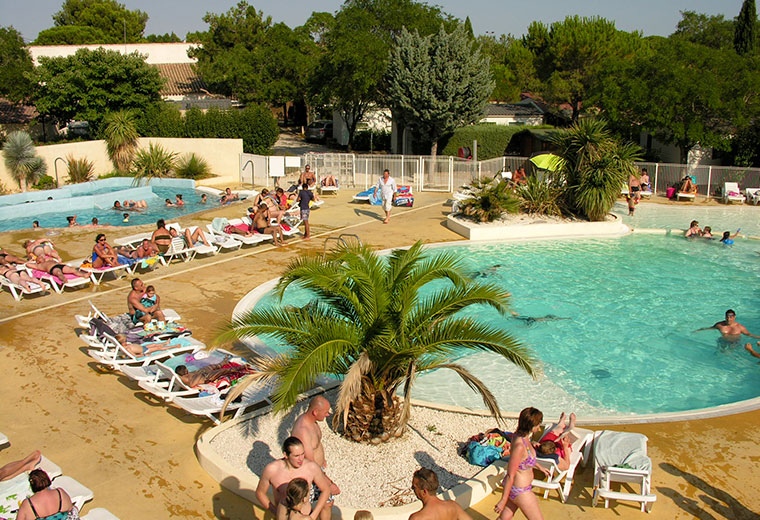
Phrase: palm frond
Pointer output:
(266, 372)
(477, 385)
(351, 387)
(406, 410)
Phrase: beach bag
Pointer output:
(480, 455)
(407, 201)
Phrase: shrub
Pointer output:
(492, 139)
(46, 182)
(371, 140)
(155, 162)
(162, 120)
(192, 167)
(258, 128)
(80, 170)
(121, 138)
(21, 159)
(537, 196)
(490, 201)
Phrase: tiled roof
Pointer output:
(11, 113)
(513, 109)
(180, 78)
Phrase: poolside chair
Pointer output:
(368, 196)
(178, 249)
(753, 195)
(70, 281)
(132, 240)
(84, 321)
(149, 372)
(79, 493)
(97, 274)
(218, 226)
(18, 291)
(3, 439)
(581, 447)
(732, 193)
(99, 513)
(200, 248)
(115, 355)
(211, 405)
(621, 457)
(52, 469)
(328, 189)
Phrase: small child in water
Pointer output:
(631, 204)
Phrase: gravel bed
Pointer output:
(368, 475)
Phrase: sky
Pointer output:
(651, 17)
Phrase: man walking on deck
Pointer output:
(388, 188)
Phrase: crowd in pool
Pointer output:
(695, 231)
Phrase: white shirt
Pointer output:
(387, 189)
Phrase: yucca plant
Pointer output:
(155, 162)
(490, 201)
(21, 159)
(191, 166)
(538, 196)
(596, 167)
(80, 170)
(121, 138)
(370, 325)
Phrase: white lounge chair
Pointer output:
(79, 494)
(70, 281)
(18, 291)
(217, 229)
(149, 372)
(97, 274)
(99, 513)
(167, 385)
(3, 439)
(170, 315)
(328, 189)
(753, 195)
(210, 405)
(581, 446)
(200, 248)
(132, 240)
(732, 193)
(178, 249)
(116, 356)
(52, 469)
(614, 449)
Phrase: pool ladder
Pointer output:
(340, 240)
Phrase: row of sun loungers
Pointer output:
(15, 490)
(177, 249)
(155, 372)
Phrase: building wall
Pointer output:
(222, 155)
(378, 120)
(512, 120)
(669, 153)
(154, 52)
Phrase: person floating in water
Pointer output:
(532, 320)
(488, 272)
(731, 330)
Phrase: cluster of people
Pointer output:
(695, 231)
(40, 255)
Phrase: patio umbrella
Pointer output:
(547, 161)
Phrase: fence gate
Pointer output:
(339, 165)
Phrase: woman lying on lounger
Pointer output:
(56, 269)
(212, 373)
(558, 442)
(47, 503)
(42, 249)
(147, 349)
(22, 278)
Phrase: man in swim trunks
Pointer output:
(261, 224)
(306, 429)
(731, 330)
(425, 487)
(146, 249)
(139, 312)
(280, 472)
(307, 177)
(56, 269)
(634, 188)
(161, 237)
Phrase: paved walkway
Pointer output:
(137, 454)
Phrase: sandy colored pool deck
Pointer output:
(137, 455)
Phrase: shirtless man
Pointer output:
(307, 431)
(161, 237)
(279, 473)
(56, 269)
(425, 487)
(261, 224)
(211, 373)
(634, 188)
(139, 312)
(307, 176)
(146, 249)
(730, 329)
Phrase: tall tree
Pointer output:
(709, 30)
(90, 84)
(71, 35)
(745, 30)
(437, 83)
(111, 17)
(15, 66)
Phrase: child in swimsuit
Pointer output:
(149, 298)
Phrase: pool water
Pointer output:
(627, 346)
(669, 216)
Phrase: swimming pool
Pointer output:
(95, 199)
(678, 216)
(626, 346)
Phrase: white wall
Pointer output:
(512, 120)
(379, 120)
(154, 52)
(222, 156)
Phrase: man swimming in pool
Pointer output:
(731, 330)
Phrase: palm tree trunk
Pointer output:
(374, 418)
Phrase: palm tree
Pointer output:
(155, 162)
(370, 325)
(21, 159)
(596, 165)
(121, 138)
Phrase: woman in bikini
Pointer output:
(7, 258)
(41, 249)
(161, 237)
(517, 486)
(46, 503)
(104, 255)
(22, 278)
(296, 500)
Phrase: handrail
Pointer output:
(340, 240)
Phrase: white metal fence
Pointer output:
(447, 174)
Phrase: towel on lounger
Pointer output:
(622, 449)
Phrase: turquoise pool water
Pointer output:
(628, 345)
(678, 216)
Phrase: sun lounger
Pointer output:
(3, 439)
(71, 281)
(170, 315)
(116, 356)
(199, 248)
(97, 274)
(622, 457)
(52, 469)
(753, 195)
(368, 196)
(329, 189)
(178, 249)
(581, 446)
(79, 494)
(210, 405)
(689, 196)
(732, 193)
(132, 240)
(18, 291)
(99, 513)
(192, 361)
(218, 226)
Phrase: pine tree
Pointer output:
(745, 28)
(437, 83)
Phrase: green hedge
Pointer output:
(492, 139)
(255, 125)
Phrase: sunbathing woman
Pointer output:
(46, 503)
(211, 373)
(7, 258)
(147, 349)
(56, 269)
(104, 255)
(687, 185)
(22, 278)
(42, 249)
(522, 459)
(15, 468)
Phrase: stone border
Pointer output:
(478, 232)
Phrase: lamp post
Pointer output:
(55, 165)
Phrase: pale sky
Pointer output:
(498, 16)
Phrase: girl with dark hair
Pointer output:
(46, 503)
(517, 486)
(296, 499)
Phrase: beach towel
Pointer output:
(622, 450)
(12, 493)
(42, 275)
(219, 223)
(480, 455)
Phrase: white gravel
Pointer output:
(368, 475)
